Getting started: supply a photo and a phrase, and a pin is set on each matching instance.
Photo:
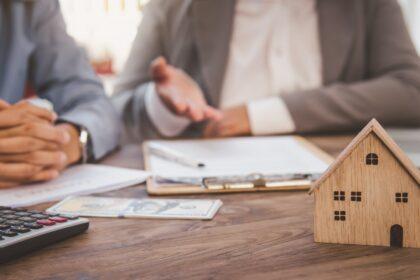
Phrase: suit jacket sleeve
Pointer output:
(60, 72)
(132, 85)
(391, 92)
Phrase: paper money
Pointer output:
(92, 206)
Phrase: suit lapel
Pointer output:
(336, 29)
(212, 25)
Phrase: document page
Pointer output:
(239, 156)
(81, 179)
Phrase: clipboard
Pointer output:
(253, 182)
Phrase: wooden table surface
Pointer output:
(254, 236)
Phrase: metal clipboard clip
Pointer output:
(256, 180)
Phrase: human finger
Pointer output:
(211, 113)
(194, 112)
(37, 111)
(10, 117)
(179, 104)
(43, 158)
(159, 69)
(4, 185)
(43, 131)
(46, 132)
(22, 144)
(174, 102)
(44, 175)
(4, 104)
(18, 172)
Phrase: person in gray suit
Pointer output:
(220, 68)
(35, 143)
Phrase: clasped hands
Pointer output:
(32, 147)
(183, 96)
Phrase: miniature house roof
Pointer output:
(372, 127)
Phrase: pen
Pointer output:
(174, 156)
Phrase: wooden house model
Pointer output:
(370, 195)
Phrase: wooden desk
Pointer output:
(254, 236)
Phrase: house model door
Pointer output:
(396, 236)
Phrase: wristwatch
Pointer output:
(84, 142)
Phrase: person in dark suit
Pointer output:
(36, 143)
(227, 68)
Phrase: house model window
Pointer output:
(356, 196)
(372, 159)
(339, 215)
(339, 195)
(401, 197)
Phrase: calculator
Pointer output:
(23, 230)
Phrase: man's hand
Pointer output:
(42, 144)
(180, 93)
(31, 152)
(23, 113)
(31, 148)
(235, 122)
(36, 152)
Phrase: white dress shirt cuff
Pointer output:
(167, 123)
(270, 116)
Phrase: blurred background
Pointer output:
(106, 29)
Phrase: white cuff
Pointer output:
(166, 122)
(270, 116)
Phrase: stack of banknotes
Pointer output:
(93, 206)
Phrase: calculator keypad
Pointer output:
(19, 229)
(27, 219)
(40, 216)
(32, 225)
(23, 231)
(15, 221)
(8, 233)
(10, 217)
(22, 214)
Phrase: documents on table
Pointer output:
(81, 179)
(173, 155)
(238, 156)
(91, 206)
(274, 159)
